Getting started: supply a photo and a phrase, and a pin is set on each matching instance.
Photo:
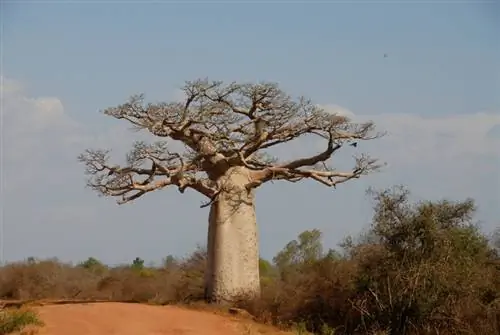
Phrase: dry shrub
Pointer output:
(421, 269)
(44, 279)
(51, 279)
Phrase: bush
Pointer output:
(51, 279)
(17, 320)
(420, 268)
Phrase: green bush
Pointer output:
(16, 320)
(421, 268)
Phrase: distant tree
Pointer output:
(170, 262)
(93, 264)
(306, 249)
(332, 255)
(226, 130)
(265, 268)
(138, 264)
(90, 263)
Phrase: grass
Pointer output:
(18, 320)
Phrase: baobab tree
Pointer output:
(227, 132)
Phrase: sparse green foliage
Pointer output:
(137, 264)
(430, 259)
(326, 330)
(301, 329)
(15, 320)
(90, 263)
(332, 255)
(266, 268)
(94, 265)
(267, 271)
(306, 249)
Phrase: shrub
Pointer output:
(16, 320)
(420, 268)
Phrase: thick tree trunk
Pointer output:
(233, 249)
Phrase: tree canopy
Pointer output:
(222, 126)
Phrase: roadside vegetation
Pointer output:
(420, 268)
(22, 321)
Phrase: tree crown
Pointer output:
(224, 126)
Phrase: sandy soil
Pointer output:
(136, 319)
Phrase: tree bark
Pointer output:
(233, 249)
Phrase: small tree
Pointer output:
(170, 262)
(93, 265)
(430, 259)
(137, 264)
(226, 130)
(306, 249)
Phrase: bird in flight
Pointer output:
(385, 55)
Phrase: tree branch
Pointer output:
(325, 176)
(223, 120)
(313, 160)
(224, 126)
(166, 169)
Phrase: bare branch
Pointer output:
(223, 126)
(134, 180)
(324, 175)
(236, 117)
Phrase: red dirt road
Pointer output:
(136, 319)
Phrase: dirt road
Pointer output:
(136, 319)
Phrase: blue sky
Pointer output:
(436, 94)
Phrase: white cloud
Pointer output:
(414, 139)
(446, 137)
(28, 122)
(36, 136)
(31, 114)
